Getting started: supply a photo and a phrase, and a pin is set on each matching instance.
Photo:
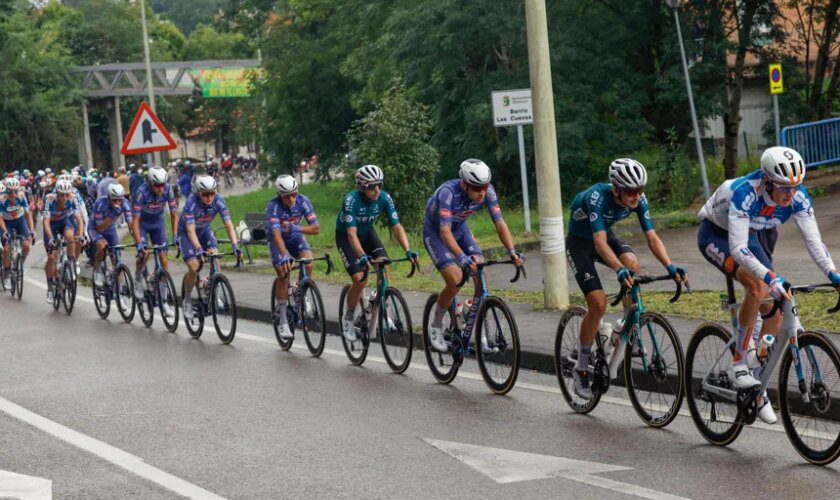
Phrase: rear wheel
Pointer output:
(495, 323)
(443, 366)
(285, 344)
(146, 305)
(58, 293)
(102, 295)
(124, 287)
(223, 307)
(195, 325)
(356, 350)
(68, 287)
(395, 330)
(17, 280)
(314, 319)
(813, 427)
(566, 348)
(167, 301)
(708, 358)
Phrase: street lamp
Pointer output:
(675, 5)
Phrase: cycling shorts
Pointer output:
(155, 230)
(109, 235)
(581, 254)
(58, 228)
(370, 244)
(295, 244)
(713, 242)
(18, 226)
(437, 249)
(205, 238)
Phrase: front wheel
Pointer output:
(17, 277)
(443, 365)
(707, 359)
(194, 318)
(146, 305)
(223, 307)
(356, 350)
(813, 423)
(102, 295)
(654, 378)
(314, 319)
(496, 327)
(124, 293)
(167, 301)
(285, 344)
(395, 331)
(566, 347)
(68, 287)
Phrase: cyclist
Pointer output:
(449, 240)
(61, 217)
(356, 237)
(287, 240)
(732, 220)
(150, 200)
(102, 225)
(590, 239)
(195, 235)
(16, 219)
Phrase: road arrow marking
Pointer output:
(24, 487)
(508, 466)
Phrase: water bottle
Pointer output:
(765, 345)
(205, 287)
(605, 332)
(468, 309)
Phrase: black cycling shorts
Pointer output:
(581, 254)
(370, 244)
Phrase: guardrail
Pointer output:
(817, 142)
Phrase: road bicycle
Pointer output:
(64, 291)
(648, 347)
(159, 291)
(16, 272)
(488, 317)
(212, 296)
(306, 308)
(117, 285)
(804, 388)
(386, 314)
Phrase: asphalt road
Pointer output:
(109, 410)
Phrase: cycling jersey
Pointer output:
(201, 215)
(150, 207)
(357, 211)
(103, 209)
(287, 220)
(743, 204)
(14, 209)
(56, 214)
(450, 205)
(596, 210)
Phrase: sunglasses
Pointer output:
(373, 187)
(633, 192)
(208, 195)
(785, 189)
(158, 185)
(478, 189)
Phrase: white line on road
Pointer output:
(14, 485)
(103, 450)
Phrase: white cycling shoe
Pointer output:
(7, 283)
(189, 311)
(98, 278)
(741, 376)
(766, 412)
(167, 310)
(139, 287)
(348, 329)
(436, 338)
(50, 295)
(286, 332)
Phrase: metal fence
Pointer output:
(817, 142)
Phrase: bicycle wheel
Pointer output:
(17, 280)
(124, 288)
(443, 366)
(195, 325)
(708, 357)
(500, 368)
(58, 293)
(167, 301)
(223, 307)
(566, 345)
(68, 287)
(395, 331)
(146, 305)
(356, 350)
(813, 426)
(314, 319)
(285, 344)
(654, 379)
(102, 296)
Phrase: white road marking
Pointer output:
(14, 485)
(509, 466)
(103, 450)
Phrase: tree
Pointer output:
(187, 14)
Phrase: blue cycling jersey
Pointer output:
(104, 209)
(450, 205)
(196, 212)
(150, 207)
(14, 209)
(55, 213)
(596, 209)
(280, 217)
(359, 212)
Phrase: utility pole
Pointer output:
(552, 242)
(150, 85)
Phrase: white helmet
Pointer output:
(41, 173)
(286, 184)
(783, 166)
(12, 184)
(474, 172)
(64, 187)
(116, 191)
(369, 174)
(205, 184)
(65, 177)
(157, 175)
(48, 170)
(626, 173)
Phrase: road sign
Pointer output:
(147, 134)
(224, 82)
(776, 81)
(512, 107)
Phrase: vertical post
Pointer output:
(697, 142)
(86, 136)
(525, 201)
(776, 115)
(150, 83)
(552, 243)
(120, 137)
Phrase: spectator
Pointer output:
(102, 187)
(135, 181)
(123, 179)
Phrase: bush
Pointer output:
(395, 137)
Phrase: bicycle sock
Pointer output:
(350, 313)
(742, 344)
(282, 304)
(437, 321)
(583, 357)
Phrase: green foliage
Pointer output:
(395, 137)
(187, 14)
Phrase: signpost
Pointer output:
(147, 134)
(777, 86)
(513, 107)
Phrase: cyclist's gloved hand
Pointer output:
(237, 251)
(411, 255)
(674, 271)
(141, 247)
(834, 277)
(464, 260)
(6, 236)
(50, 245)
(517, 257)
(285, 259)
(362, 261)
(779, 288)
(625, 276)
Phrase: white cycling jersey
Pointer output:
(742, 204)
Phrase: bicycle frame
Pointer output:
(380, 266)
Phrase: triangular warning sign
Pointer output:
(146, 134)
